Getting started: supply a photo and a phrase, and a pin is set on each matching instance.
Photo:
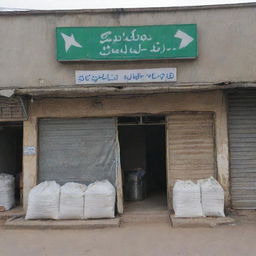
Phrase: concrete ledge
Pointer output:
(15, 212)
(146, 217)
(21, 223)
(200, 222)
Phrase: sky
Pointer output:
(95, 4)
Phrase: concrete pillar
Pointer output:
(222, 151)
(29, 161)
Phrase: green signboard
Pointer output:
(126, 43)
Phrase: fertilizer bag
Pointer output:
(212, 195)
(187, 199)
(7, 191)
(72, 201)
(99, 201)
(43, 201)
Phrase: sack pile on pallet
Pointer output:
(49, 200)
(200, 199)
(7, 191)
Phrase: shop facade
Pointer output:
(196, 134)
(181, 129)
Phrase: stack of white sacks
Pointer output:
(49, 200)
(99, 200)
(43, 201)
(72, 201)
(200, 199)
(7, 191)
(187, 199)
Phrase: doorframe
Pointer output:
(20, 123)
(119, 176)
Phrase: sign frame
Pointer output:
(126, 43)
(126, 76)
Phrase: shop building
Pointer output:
(193, 127)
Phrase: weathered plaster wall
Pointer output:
(155, 104)
(226, 38)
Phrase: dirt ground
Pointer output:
(141, 239)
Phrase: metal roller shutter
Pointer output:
(242, 140)
(78, 150)
(190, 145)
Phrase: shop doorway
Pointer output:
(143, 162)
(11, 141)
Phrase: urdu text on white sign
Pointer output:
(95, 77)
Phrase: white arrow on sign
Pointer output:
(185, 38)
(69, 41)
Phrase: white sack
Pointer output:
(187, 199)
(72, 201)
(7, 191)
(212, 195)
(43, 201)
(99, 202)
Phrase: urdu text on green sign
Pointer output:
(126, 43)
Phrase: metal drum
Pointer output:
(135, 185)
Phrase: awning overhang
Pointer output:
(93, 91)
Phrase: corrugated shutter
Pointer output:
(12, 109)
(190, 145)
(78, 150)
(242, 139)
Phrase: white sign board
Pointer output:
(29, 150)
(126, 76)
